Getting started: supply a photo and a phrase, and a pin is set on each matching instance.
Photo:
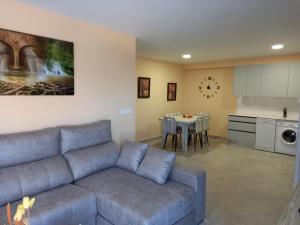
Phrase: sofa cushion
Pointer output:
(157, 165)
(86, 161)
(102, 221)
(137, 200)
(28, 146)
(86, 135)
(33, 178)
(131, 155)
(67, 205)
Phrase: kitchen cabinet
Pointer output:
(265, 134)
(254, 77)
(275, 80)
(241, 130)
(240, 81)
(268, 80)
(294, 80)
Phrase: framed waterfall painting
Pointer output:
(35, 65)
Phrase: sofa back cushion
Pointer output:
(33, 178)
(87, 135)
(131, 155)
(90, 160)
(157, 165)
(28, 146)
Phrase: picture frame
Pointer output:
(35, 65)
(171, 91)
(144, 84)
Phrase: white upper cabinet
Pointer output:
(254, 79)
(294, 80)
(275, 80)
(240, 81)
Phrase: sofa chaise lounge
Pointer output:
(72, 173)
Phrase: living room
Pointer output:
(189, 53)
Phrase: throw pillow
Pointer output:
(131, 155)
(157, 165)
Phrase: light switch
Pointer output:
(125, 111)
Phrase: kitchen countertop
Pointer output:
(265, 115)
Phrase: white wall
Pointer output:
(105, 79)
(267, 105)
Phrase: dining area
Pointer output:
(185, 129)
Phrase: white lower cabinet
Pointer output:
(241, 130)
(265, 134)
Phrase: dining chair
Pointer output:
(174, 114)
(202, 114)
(169, 127)
(197, 130)
(206, 127)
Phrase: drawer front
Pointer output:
(242, 137)
(250, 127)
(243, 119)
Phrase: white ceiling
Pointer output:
(210, 30)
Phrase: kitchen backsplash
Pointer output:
(268, 105)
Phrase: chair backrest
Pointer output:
(173, 114)
(169, 125)
(205, 122)
(199, 125)
(200, 114)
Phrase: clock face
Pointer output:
(209, 87)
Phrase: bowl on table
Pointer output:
(187, 116)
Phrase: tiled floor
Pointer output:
(244, 186)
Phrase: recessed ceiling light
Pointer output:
(186, 56)
(277, 46)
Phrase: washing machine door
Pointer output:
(288, 136)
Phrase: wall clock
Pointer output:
(209, 87)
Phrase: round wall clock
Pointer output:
(209, 87)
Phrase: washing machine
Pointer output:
(286, 137)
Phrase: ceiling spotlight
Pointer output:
(186, 56)
(277, 46)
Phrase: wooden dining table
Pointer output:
(184, 123)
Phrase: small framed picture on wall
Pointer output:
(172, 91)
(143, 87)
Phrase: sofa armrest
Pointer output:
(196, 179)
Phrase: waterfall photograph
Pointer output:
(35, 65)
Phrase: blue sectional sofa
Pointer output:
(72, 173)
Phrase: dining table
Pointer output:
(184, 122)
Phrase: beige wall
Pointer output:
(105, 79)
(189, 99)
(148, 111)
(218, 106)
